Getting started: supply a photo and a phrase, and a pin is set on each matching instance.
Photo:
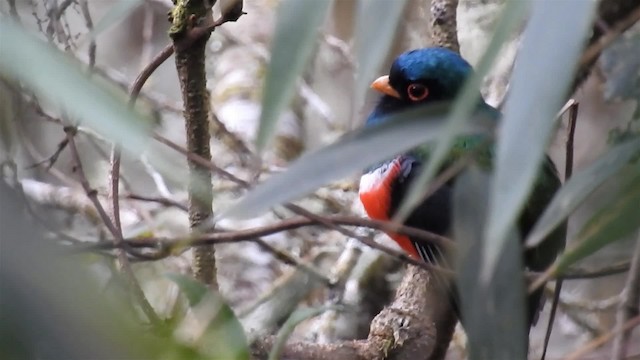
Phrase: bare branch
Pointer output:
(115, 232)
(630, 307)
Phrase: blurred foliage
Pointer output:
(35, 308)
(621, 68)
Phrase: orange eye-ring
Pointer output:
(417, 92)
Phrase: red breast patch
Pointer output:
(375, 195)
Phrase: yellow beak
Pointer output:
(382, 85)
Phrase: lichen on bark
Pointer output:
(190, 64)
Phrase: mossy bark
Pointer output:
(190, 64)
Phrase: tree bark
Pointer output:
(190, 64)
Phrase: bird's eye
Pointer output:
(417, 92)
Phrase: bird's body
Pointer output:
(418, 78)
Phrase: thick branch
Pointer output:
(190, 63)
(417, 325)
(444, 25)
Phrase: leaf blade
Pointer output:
(350, 154)
(502, 307)
(297, 24)
(374, 38)
(579, 187)
(530, 111)
(619, 218)
(43, 69)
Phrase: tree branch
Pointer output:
(417, 325)
(629, 308)
(190, 64)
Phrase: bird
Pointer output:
(427, 76)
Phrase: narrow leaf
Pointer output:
(353, 153)
(619, 218)
(191, 288)
(374, 38)
(51, 75)
(495, 308)
(294, 39)
(540, 83)
(216, 329)
(465, 104)
(579, 187)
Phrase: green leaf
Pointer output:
(296, 318)
(297, 24)
(219, 333)
(352, 153)
(497, 307)
(190, 287)
(619, 218)
(579, 187)
(538, 87)
(374, 38)
(54, 77)
(465, 104)
(224, 338)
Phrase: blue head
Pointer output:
(420, 77)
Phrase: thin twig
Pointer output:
(114, 189)
(118, 241)
(601, 340)
(160, 200)
(630, 307)
(53, 158)
(84, 6)
(573, 118)
(580, 274)
(568, 170)
(593, 51)
(288, 224)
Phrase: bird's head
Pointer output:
(420, 77)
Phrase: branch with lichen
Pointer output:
(190, 64)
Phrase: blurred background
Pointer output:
(112, 41)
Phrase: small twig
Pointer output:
(594, 51)
(579, 274)
(144, 75)
(160, 200)
(589, 306)
(601, 340)
(92, 194)
(53, 158)
(114, 189)
(84, 5)
(168, 50)
(573, 118)
(628, 308)
(568, 170)
(293, 223)
(161, 185)
(118, 241)
(62, 8)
